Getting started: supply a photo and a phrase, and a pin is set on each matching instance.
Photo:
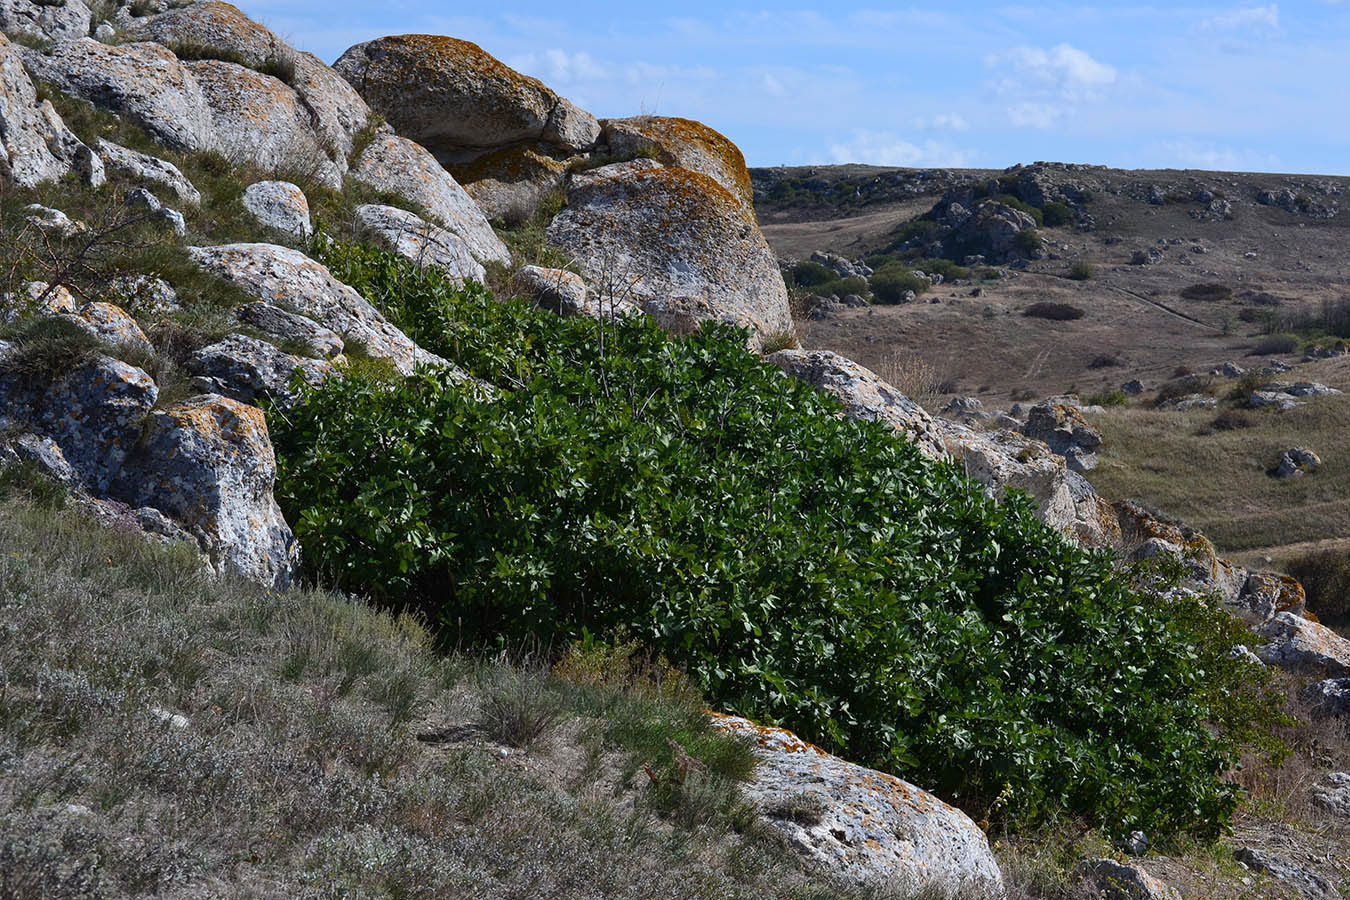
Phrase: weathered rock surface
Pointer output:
(1334, 795)
(148, 170)
(143, 294)
(1004, 459)
(208, 463)
(35, 145)
(992, 231)
(508, 184)
(1330, 697)
(1307, 882)
(112, 324)
(261, 120)
(144, 82)
(288, 278)
(279, 205)
(1114, 881)
(395, 164)
(281, 325)
(684, 143)
(1303, 646)
(64, 20)
(248, 370)
(1264, 595)
(451, 96)
(867, 827)
(863, 394)
(676, 243)
(415, 239)
(564, 293)
(1064, 430)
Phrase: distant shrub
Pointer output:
(842, 287)
(1325, 576)
(1272, 344)
(809, 273)
(1103, 361)
(891, 281)
(1059, 312)
(1082, 271)
(1055, 214)
(1232, 420)
(1208, 292)
(1108, 398)
(949, 270)
(917, 229)
(1029, 242)
(1183, 386)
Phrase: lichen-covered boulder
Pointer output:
(279, 205)
(285, 277)
(1266, 594)
(44, 19)
(865, 826)
(144, 82)
(1303, 646)
(863, 394)
(147, 169)
(35, 145)
(564, 293)
(338, 112)
(263, 121)
(416, 239)
(508, 184)
(684, 143)
(143, 294)
(1329, 697)
(1114, 881)
(676, 243)
(248, 370)
(111, 324)
(282, 325)
(1064, 430)
(208, 463)
(399, 166)
(451, 96)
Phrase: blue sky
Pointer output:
(1252, 87)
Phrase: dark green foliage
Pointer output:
(1325, 576)
(1082, 271)
(1112, 397)
(1054, 214)
(891, 281)
(1028, 242)
(1272, 344)
(1208, 292)
(808, 273)
(1058, 312)
(922, 229)
(949, 270)
(805, 569)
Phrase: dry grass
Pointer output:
(919, 379)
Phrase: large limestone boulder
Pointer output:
(865, 826)
(208, 463)
(863, 394)
(455, 99)
(400, 166)
(417, 240)
(684, 143)
(565, 293)
(212, 27)
(1064, 430)
(262, 121)
(1004, 459)
(676, 243)
(282, 325)
(142, 81)
(248, 370)
(1303, 646)
(35, 145)
(65, 20)
(287, 278)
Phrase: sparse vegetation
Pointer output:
(1057, 312)
(892, 281)
(1082, 271)
(1273, 344)
(1208, 292)
(1029, 242)
(1111, 397)
(1056, 214)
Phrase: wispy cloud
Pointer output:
(1251, 18)
(559, 66)
(1063, 70)
(951, 121)
(1201, 155)
(883, 148)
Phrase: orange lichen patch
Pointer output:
(689, 145)
(440, 53)
(1137, 526)
(764, 735)
(1098, 524)
(1292, 598)
(519, 162)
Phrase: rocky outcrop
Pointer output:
(457, 100)
(686, 144)
(35, 145)
(399, 166)
(991, 231)
(1064, 430)
(863, 394)
(676, 243)
(281, 325)
(144, 82)
(509, 184)
(1303, 646)
(1114, 881)
(564, 293)
(1308, 883)
(288, 278)
(419, 241)
(65, 20)
(249, 370)
(281, 206)
(862, 825)
(147, 169)
(208, 463)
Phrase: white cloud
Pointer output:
(1063, 70)
(558, 65)
(943, 122)
(882, 148)
(1034, 115)
(1191, 154)
(1245, 19)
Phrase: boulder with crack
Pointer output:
(282, 325)
(864, 826)
(1064, 430)
(419, 241)
(248, 370)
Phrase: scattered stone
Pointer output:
(143, 293)
(279, 205)
(147, 169)
(1303, 646)
(1330, 697)
(140, 198)
(844, 268)
(1294, 462)
(1232, 370)
(1133, 388)
(964, 407)
(1266, 594)
(1136, 844)
(871, 828)
(1278, 399)
(53, 220)
(1120, 882)
(281, 325)
(419, 241)
(1306, 882)
(248, 370)
(1148, 257)
(173, 720)
(1306, 389)
(1335, 795)
(993, 228)
(1194, 401)
(44, 19)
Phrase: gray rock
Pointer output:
(175, 220)
(143, 293)
(399, 166)
(53, 221)
(694, 146)
(1308, 883)
(1334, 796)
(46, 454)
(148, 170)
(1232, 370)
(676, 243)
(140, 198)
(1194, 401)
(449, 95)
(208, 462)
(281, 325)
(105, 33)
(1064, 430)
(248, 370)
(1264, 595)
(1303, 646)
(1296, 461)
(1136, 844)
(63, 20)
(1330, 697)
(1133, 388)
(1114, 881)
(865, 826)
(285, 277)
(864, 395)
(144, 82)
(1307, 389)
(564, 293)
(415, 239)
(511, 184)
(1278, 399)
(279, 205)
(1147, 257)
(35, 145)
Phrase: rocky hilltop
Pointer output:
(141, 386)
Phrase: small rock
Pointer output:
(1232, 370)
(1334, 796)
(279, 205)
(281, 325)
(1330, 697)
(1119, 882)
(1136, 844)
(419, 241)
(173, 720)
(1299, 645)
(1133, 388)
(53, 220)
(145, 168)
